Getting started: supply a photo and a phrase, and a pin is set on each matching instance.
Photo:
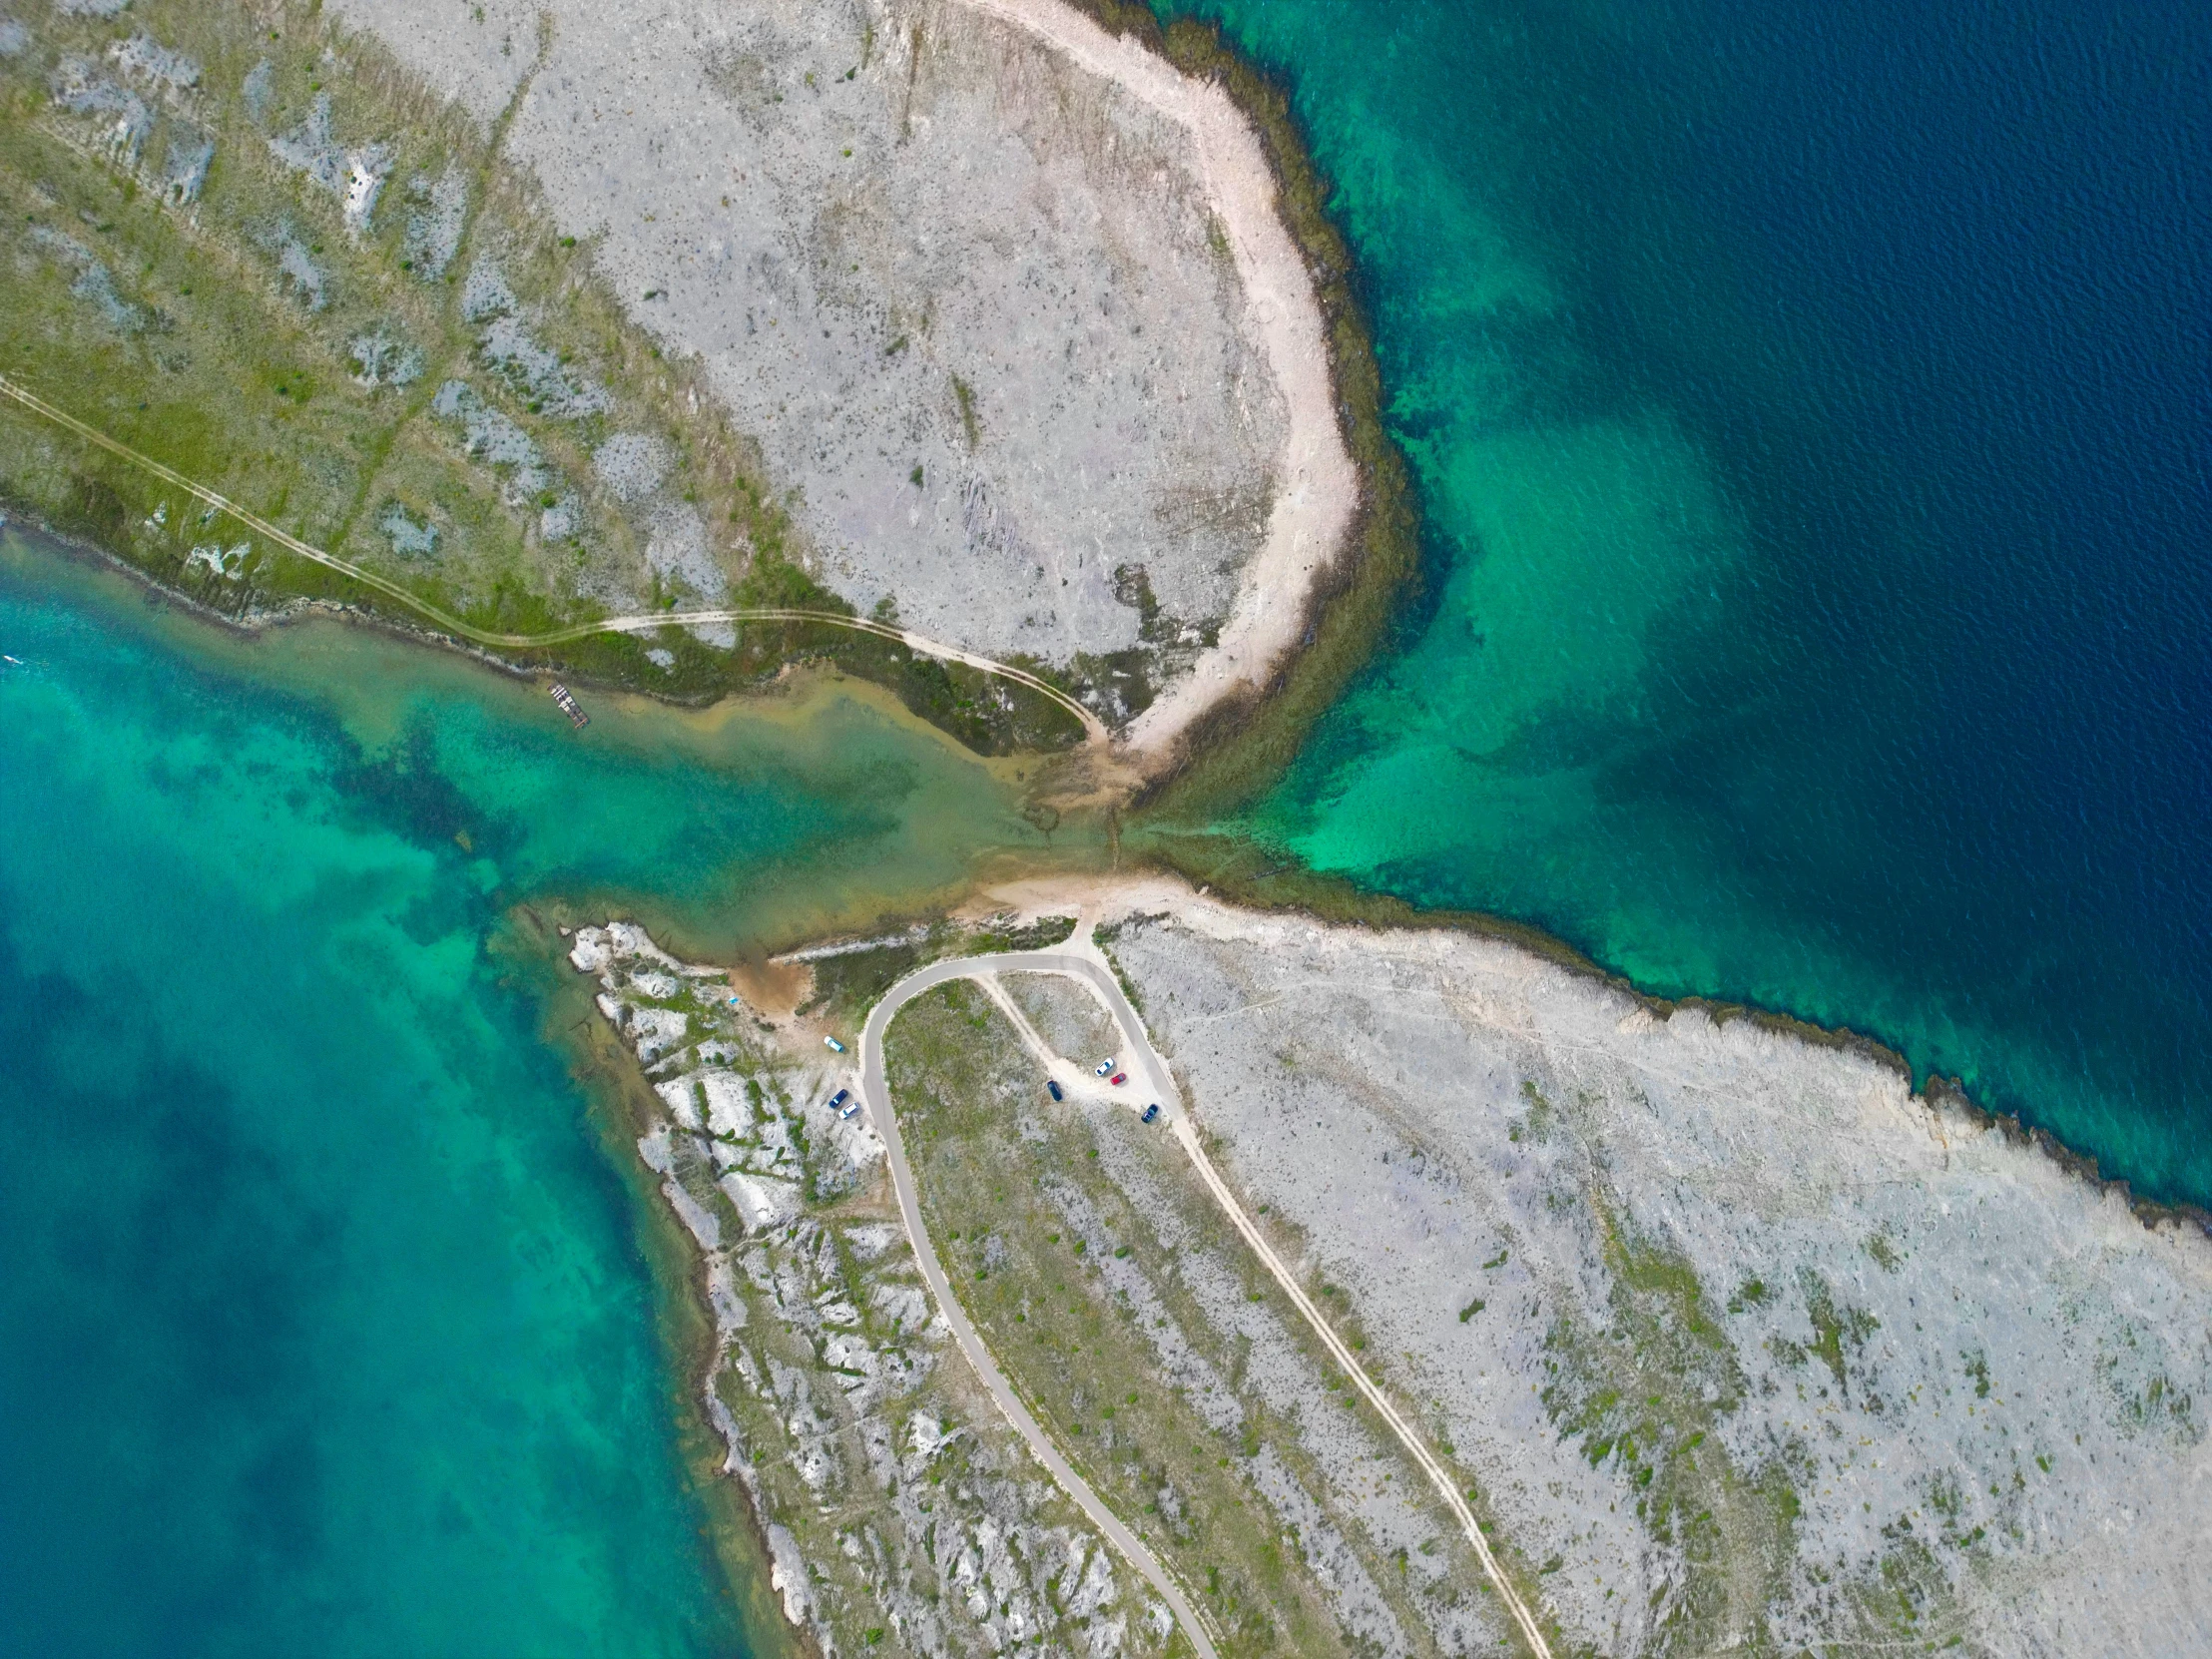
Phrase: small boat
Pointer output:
(4, 657)
(576, 716)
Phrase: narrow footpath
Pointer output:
(1094, 729)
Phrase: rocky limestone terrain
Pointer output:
(900, 1513)
(1153, 1345)
(970, 299)
(1736, 1343)
(1744, 1345)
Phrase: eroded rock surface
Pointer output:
(900, 1513)
(970, 299)
(1746, 1345)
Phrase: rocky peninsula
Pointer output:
(1735, 1340)
(1003, 299)
(966, 319)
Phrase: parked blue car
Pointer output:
(1152, 1111)
(1053, 1089)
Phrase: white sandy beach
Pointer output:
(1318, 487)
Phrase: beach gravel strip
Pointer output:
(1317, 487)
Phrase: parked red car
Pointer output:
(1118, 1079)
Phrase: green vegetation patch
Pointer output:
(1645, 1396)
(1045, 1249)
(247, 245)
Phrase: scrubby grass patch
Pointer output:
(1645, 1397)
(1069, 1284)
(423, 380)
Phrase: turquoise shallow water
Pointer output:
(325, 1326)
(1808, 413)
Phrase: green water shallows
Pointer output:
(326, 1326)
(1807, 411)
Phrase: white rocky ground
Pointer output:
(911, 234)
(1740, 1344)
(891, 1496)
(1743, 1343)
(1384, 1558)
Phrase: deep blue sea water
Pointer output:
(1810, 409)
(325, 1323)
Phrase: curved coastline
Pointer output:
(1243, 743)
(1335, 900)
(1247, 736)
(1339, 478)
(1243, 740)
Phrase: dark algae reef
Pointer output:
(1807, 416)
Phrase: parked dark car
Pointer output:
(837, 1100)
(1152, 1111)
(1053, 1089)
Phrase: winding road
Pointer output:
(876, 1094)
(1083, 962)
(1086, 964)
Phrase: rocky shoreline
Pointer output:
(1892, 1367)
(892, 1502)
